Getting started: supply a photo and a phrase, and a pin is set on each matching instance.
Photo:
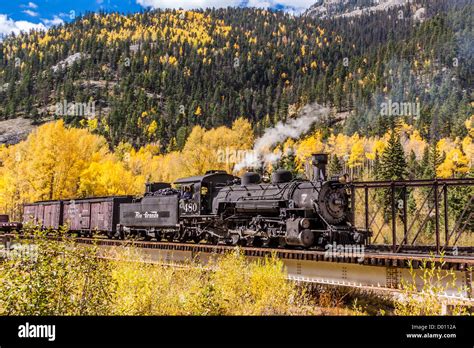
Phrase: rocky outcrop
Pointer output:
(15, 130)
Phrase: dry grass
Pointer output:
(435, 281)
(229, 285)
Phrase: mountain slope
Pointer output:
(152, 76)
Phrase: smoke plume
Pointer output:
(294, 128)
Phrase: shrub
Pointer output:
(55, 278)
(229, 285)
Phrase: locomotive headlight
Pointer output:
(305, 223)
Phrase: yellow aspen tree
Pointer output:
(109, 178)
(455, 163)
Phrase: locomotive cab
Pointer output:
(197, 192)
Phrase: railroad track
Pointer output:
(378, 255)
(424, 249)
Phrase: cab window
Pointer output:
(187, 191)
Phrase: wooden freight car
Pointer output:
(98, 214)
(44, 214)
(84, 216)
(7, 226)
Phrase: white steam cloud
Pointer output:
(279, 133)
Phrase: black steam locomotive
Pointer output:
(219, 207)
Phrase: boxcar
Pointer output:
(98, 214)
(45, 214)
(86, 215)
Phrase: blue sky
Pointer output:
(19, 15)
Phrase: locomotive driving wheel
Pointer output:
(157, 235)
(170, 237)
(257, 242)
(214, 240)
(197, 239)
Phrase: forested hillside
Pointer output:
(153, 76)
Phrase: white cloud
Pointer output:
(8, 25)
(292, 5)
(188, 4)
(289, 3)
(30, 5)
(55, 21)
(259, 3)
(31, 13)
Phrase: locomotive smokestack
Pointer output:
(319, 161)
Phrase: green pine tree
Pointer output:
(287, 162)
(413, 166)
(335, 166)
(393, 165)
(433, 160)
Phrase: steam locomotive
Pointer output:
(218, 207)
